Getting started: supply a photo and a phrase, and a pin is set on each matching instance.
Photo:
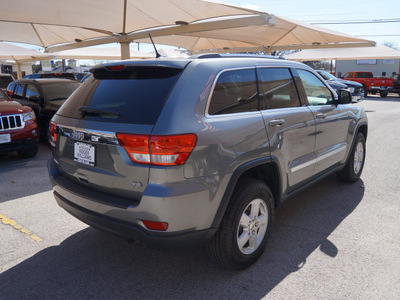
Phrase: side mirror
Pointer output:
(10, 93)
(344, 97)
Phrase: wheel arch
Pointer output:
(265, 169)
(363, 128)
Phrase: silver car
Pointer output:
(201, 150)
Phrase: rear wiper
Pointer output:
(86, 110)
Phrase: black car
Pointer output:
(396, 84)
(45, 96)
(50, 75)
(356, 89)
(5, 80)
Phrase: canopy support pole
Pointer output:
(267, 50)
(125, 51)
(19, 70)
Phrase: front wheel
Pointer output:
(383, 94)
(242, 235)
(355, 164)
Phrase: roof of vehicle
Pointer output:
(209, 57)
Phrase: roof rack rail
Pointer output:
(234, 55)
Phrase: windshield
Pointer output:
(327, 76)
(3, 96)
(59, 90)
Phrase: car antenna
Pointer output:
(155, 49)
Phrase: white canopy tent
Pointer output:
(21, 54)
(98, 53)
(378, 52)
(287, 34)
(192, 24)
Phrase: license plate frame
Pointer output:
(85, 153)
(5, 138)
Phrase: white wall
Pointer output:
(343, 66)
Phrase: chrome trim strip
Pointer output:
(302, 166)
(322, 157)
(315, 160)
(93, 136)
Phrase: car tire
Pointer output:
(245, 227)
(355, 163)
(383, 94)
(28, 152)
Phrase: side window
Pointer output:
(11, 87)
(234, 92)
(316, 91)
(31, 90)
(277, 88)
(19, 91)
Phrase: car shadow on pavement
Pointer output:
(23, 177)
(93, 264)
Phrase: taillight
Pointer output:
(53, 134)
(115, 68)
(159, 150)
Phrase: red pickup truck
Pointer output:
(371, 84)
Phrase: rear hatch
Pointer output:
(117, 99)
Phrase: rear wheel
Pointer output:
(383, 94)
(242, 235)
(355, 164)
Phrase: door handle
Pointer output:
(276, 122)
(321, 116)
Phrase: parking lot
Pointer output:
(332, 241)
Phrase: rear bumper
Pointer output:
(132, 231)
(121, 216)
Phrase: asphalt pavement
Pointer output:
(332, 241)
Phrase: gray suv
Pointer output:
(202, 150)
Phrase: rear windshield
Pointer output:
(135, 95)
(59, 90)
(57, 75)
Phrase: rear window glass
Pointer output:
(59, 90)
(135, 95)
(57, 75)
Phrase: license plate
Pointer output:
(84, 153)
(5, 138)
(356, 98)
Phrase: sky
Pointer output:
(331, 11)
(381, 19)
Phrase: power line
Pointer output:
(378, 34)
(396, 20)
